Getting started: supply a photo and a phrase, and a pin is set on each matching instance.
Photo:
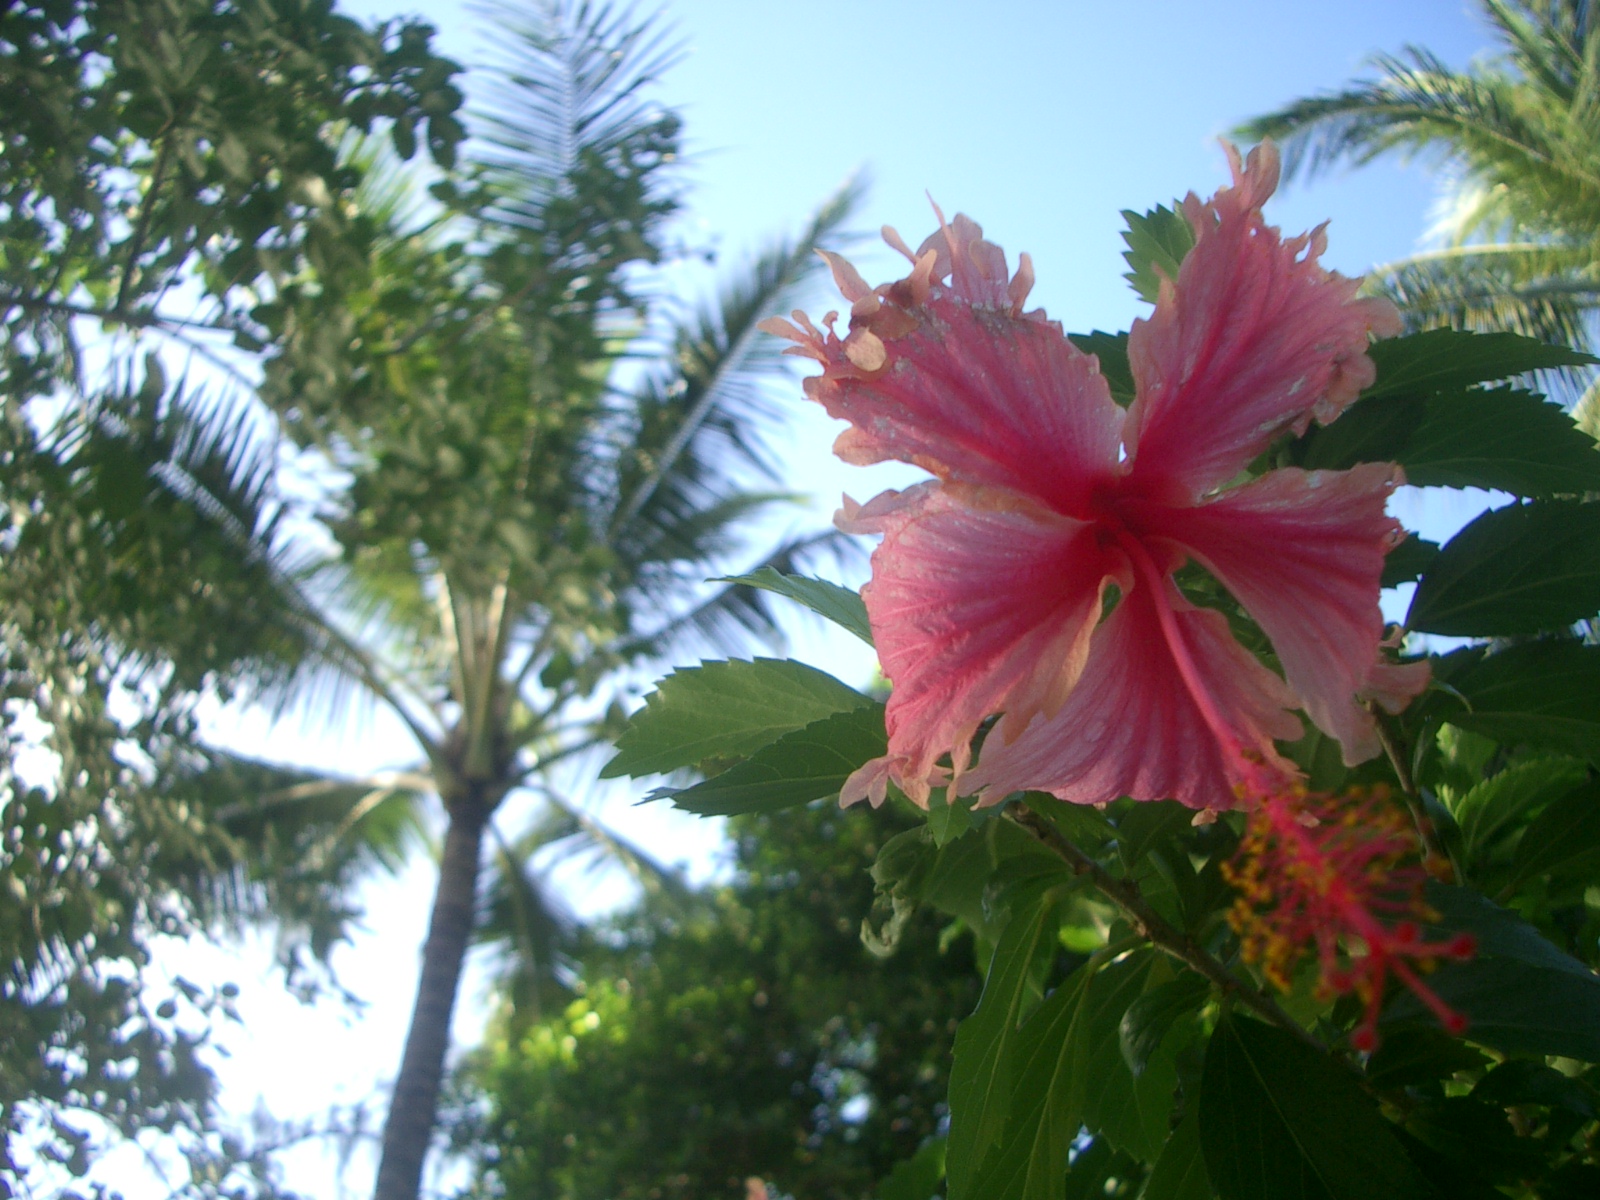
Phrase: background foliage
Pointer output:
(748, 1034)
(1122, 1046)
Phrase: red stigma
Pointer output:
(1340, 875)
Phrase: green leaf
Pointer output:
(725, 710)
(1146, 1022)
(1520, 569)
(1419, 1055)
(1132, 1112)
(947, 819)
(1408, 560)
(1514, 1007)
(1144, 824)
(1521, 995)
(917, 1177)
(1158, 242)
(984, 1070)
(808, 764)
(1496, 438)
(1501, 438)
(1070, 1074)
(1281, 1121)
(1112, 351)
(1368, 431)
(1560, 837)
(1523, 1082)
(1499, 931)
(1046, 1108)
(837, 604)
(1541, 694)
(1180, 1172)
(1485, 811)
(1438, 360)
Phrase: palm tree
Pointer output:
(530, 465)
(1521, 135)
(524, 456)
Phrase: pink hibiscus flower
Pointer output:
(1051, 505)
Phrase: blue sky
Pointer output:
(1039, 118)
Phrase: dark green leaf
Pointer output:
(1132, 1112)
(1541, 694)
(1281, 1121)
(1180, 1172)
(1158, 241)
(1497, 438)
(1452, 1179)
(1475, 1135)
(838, 604)
(1419, 1055)
(917, 1177)
(1146, 1022)
(1112, 351)
(1520, 569)
(984, 1073)
(1500, 933)
(725, 710)
(1525, 1082)
(1561, 836)
(1148, 823)
(1515, 1007)
(1369, 431)
(799, 767)
(1408, 560)
(1438, 360)
(1501, 438)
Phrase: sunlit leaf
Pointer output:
(724, 710)
(838, 604)
(1158, 242)
(1438, 360)
(807, 764)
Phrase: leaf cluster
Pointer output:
(1121, 1047)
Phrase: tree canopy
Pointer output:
(749, 1033)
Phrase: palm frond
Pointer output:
(286, 847)
(660, 882)
(1526, 289)
(567, 81)
(524, 916)
(1415, 104)
(684, 426)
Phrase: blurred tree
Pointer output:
(1520, 134)
(485, 470)
(752, 1037)
(163, 164)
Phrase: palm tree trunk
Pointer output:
(409, 1129)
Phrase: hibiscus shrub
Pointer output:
(1276, 901)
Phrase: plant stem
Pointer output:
(1432, 848)
(1125, 894)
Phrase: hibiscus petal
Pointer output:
(1131, 728)
(1253, 338)
(1303, 552)
(980, 601)
(952, 377)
